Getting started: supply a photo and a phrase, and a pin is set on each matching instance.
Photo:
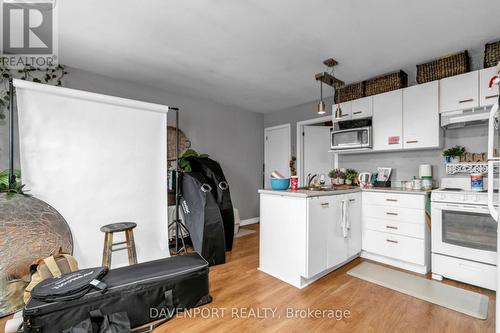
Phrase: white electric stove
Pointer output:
(464, 235)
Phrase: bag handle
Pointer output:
(73, 265)
(52, 266)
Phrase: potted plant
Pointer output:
(452, 155)
(334, 175)
(350, 176)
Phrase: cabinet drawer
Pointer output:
(391, 213)
(395, 246)
(395, 227)
(471, 272)
(416, 201)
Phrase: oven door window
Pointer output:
(471, 230)
(350, 138)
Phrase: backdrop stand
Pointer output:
(180, 228)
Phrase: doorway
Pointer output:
(277, 151)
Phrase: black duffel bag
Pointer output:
(69, 286)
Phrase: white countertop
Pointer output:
(308, 193)
(396, 190)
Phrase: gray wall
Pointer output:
(232, 136)
(405, 164)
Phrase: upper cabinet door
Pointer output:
(487, 96)
(362, 108)
(421, 116)
(346, 108)
(459, 92)
(388, 120)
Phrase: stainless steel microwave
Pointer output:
(351, 135)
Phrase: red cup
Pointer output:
(294, 183)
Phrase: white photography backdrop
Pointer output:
(96, 159)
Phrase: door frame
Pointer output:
(266, 130)
(300, 145)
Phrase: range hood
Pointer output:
(462, 118)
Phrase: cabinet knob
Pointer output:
(325, 205)
(392, 200)
(392, 241)
(357, 112)
(391, 227)
(394, 214)
(412, 141)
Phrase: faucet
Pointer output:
(310, 179)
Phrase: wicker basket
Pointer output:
(385, 83)
(350, 92)
(446, 66)
(491, 54)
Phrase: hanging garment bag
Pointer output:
(220, 189)
(203, 218)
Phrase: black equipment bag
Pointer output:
(70, 285)
(203, 218)
(220, 188)
(147, 292)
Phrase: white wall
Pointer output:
(232, 136)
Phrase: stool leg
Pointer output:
(132, 255)
(108, 247)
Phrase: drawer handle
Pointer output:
(392, 200)
(412, 141)
(492, 96)
(392, 241)
(357, 112)
(394, 214)
(352, 200)
(391, 227)
(466, 100)
(325, 205)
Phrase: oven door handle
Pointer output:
(462, 208)
(491, 177)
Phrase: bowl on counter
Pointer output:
(280, 184)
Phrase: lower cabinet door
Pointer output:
(317, 228)
(354, 215)
(337, 237)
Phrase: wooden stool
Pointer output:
(129, 241)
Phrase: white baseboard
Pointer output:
(253, 220)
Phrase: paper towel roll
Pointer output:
(425, 170)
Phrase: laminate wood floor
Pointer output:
(372, 308)
(242, 295)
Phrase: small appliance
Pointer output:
(351, 134)
(364, 179)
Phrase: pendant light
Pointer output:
(321, 104)
(338, 112)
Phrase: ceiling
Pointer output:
(262, 55)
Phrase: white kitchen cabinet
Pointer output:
(354, 214)
(395, 230)
(337, 244)
(388, 120)
(421, 116)
(459, 92)
(487, 96)
(362, 108)
(346, 108)
(302, 236)
(320, 215)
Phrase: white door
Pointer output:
(354, 215)
(362, 108)
(421, 116)
(487, 96)
(459, 92)
(316, 156)
(388, 120)
(320, 213)
(277, 152)
(337, 249)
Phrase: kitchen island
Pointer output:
(306, 234)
